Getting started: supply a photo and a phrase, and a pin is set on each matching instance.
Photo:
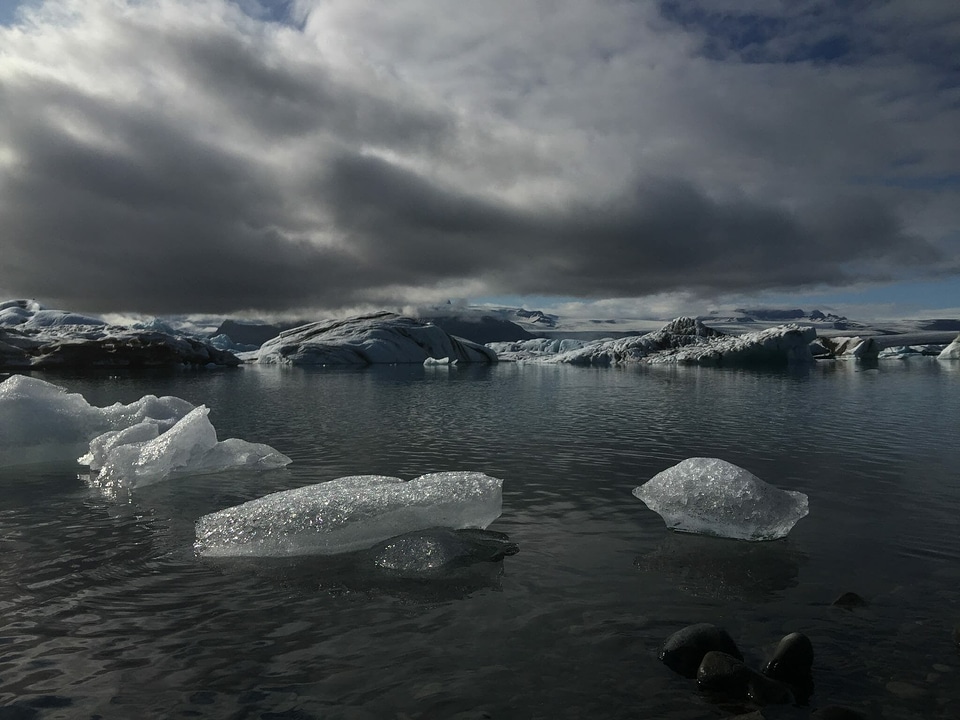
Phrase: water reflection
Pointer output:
(355, 572)
(718, 568)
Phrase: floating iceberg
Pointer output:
(40, 420)
(951, 351)
(369, 339)
(684, 340)
(348, 514)
(141, 455)
(713, 497)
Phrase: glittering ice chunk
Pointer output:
(713, 497)
(351, 513)
(190, 446)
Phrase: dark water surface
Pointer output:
(105, 611)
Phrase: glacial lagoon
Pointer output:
(108, 611)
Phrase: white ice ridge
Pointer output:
(710, 496)
(352, 513)
(141, 455)
(951, 351)
(40, 420)
(378, 338)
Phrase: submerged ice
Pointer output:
(141, 455)
(433, 551)
(714, 497)
(351, 513)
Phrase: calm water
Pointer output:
(106, 612)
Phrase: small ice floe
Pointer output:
(435, 362)
(351, 513)
(43, 421)
(710, 496)
(141, 454)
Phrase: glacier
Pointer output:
(351, 513)
(140, 455)
(42, 421)
(33, 337)
(377, 338)
(711, 496)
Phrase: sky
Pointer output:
(637, 158)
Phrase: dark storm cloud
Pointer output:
(657, 237)
(173, 157)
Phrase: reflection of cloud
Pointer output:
(728, 569)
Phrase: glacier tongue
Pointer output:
(350, 513)
(714, 497)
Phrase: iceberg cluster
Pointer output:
(141, 455)
(32, 336)
(367, 340)
(348, 514)
(40, 419)
(714, 497)
(685, 341)
(128, 445)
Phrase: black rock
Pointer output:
(683, 651)
(792, 663)
(956, 635)
(723, 673)
(850, 600)
(792, 659)
(726, 675)
(837, 712)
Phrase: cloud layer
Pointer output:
(173, 156)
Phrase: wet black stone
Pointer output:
(837, 712)
(850, 600)
(792, 663)
(725, 675)
(683, 651)
(767, 691)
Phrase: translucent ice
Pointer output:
(713, 497)
(424, 553)
(140, 455)
(101, 445)
(351, 513)
(40, 420)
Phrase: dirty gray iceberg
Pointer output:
(142, 455)
(710, 496)
(33, 337)
(682, 341)
(378, 338)
(351, 513)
